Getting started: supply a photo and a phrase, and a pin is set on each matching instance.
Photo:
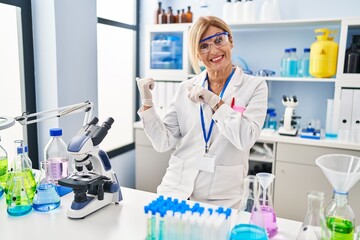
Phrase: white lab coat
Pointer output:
(233, 135)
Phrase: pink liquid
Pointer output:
(270, 221)
(58, 168)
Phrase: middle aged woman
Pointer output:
(212, 122)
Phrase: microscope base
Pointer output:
(91, 207)
(283, 131)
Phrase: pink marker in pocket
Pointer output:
(237, 108)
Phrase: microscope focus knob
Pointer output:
(111, 187)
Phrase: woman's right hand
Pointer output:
(145, 85)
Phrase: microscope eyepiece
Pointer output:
(107, 124)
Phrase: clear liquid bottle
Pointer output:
(314, 225)
(292, 64)
(3, 169)
(46, 196)
(283, 65)
(20, 167)
(266, 205)
(19, 202)
(304, 64)
(340, 218)
(56, 154)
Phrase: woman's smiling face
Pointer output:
(217, 58)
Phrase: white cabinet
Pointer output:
(297, 174)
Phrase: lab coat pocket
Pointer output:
(227, 182)
(173, 172)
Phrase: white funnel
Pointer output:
(342, 171)
(265, 179)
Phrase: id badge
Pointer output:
(206, 163)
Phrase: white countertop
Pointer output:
(125, 220)
(275, 137)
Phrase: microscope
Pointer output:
(289, 122)
(94, 183)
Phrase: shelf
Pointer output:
(299, 79)
(260, 158)
(286, 24)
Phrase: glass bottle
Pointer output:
(19, 202)
(304, 64)
(352, 56)
(189, 15)
(272, 124)
(283, 66)
(20, 167)
(314, 225)
(266, 205)
(162, 17)
(177, 16)
(170, 16)
(340, 218)
(3, 169)
(292, 64)
(46, 196)
(56, 153)
(182, 17)
(157, 13)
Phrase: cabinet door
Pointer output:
(150, 167)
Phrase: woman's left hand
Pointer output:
(200, 94)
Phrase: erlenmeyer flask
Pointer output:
(20, 167)
(265, 200)
(3, 169)
(19, 203)
(342, 171)
(255, 230)
(314, 225)
(46, 196)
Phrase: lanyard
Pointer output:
(207, 136)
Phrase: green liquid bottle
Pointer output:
(340, 218)
(20, 168)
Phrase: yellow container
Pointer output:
(323, 54)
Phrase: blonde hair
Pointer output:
(196, 34)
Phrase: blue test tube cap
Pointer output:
(220, 210)
(228, 212)
(210, 211)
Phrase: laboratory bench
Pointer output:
(292, 160)
(125, 220)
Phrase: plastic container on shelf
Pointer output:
(304, 63)
(238, 12)
(249, 11)
(227, 12)
(292, 64)
(283, 64)
(323, 54)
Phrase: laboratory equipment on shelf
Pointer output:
(3, 168)
(46, 196)
(323, 54)
(310, 132)
(314, 225)
(289, 120)
(352, 56)
(304, 63)
(249, 223)
(94, 183)
(342, 171)
(266, 205)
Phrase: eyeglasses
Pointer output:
(220, 39)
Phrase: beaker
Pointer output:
(342, 171)
(266, 205)
(3, 169)
(253, 228)
(46, 196)
(314, 225)
(20, 167)
(19, 203)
